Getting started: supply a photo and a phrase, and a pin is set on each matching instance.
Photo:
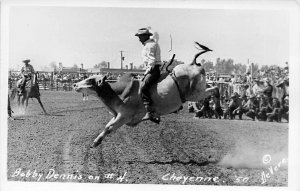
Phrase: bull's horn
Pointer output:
(204, 48)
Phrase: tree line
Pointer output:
(226, 66)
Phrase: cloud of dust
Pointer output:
(248, 156)
(19, 111)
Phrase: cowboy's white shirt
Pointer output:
(151, 53)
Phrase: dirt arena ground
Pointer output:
(181, 150)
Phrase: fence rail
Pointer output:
(51, 85)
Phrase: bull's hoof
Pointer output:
(94, 145)
(155, 120)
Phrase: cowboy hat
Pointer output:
(26, 61)
(143, 31)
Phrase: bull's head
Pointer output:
(90, 85)
(191, 77)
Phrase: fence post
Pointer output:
(44, 83)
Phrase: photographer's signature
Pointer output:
(272, 169)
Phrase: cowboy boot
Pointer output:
(155, 118)
(150, 116)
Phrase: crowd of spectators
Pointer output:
(260, 104)
(254, 107)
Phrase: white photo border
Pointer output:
(292, 6)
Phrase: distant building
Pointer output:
(120, 71)
(93, 70)
(62, 70)
(74, 72)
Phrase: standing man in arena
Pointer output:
(26, 72)
(152, 61)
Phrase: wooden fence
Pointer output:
(51, 85)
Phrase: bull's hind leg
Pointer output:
(112, 125)
(39, 100)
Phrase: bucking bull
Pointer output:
(187, 82)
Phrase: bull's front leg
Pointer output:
(112, 125)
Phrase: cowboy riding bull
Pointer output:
(187, 82)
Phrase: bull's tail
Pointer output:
(13, 94)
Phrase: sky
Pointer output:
(90, 35)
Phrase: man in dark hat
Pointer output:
(264, 108)
(244, 99)
(26, 72)
(235, 106)
(275, 113)
(250, 107)
(217, 109)
(152, 61)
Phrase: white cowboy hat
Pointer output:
(143, 31)
(26, 61)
